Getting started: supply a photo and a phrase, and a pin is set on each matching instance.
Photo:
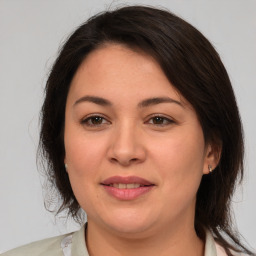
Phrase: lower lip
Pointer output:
(127, 194)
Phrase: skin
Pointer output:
(126, 139)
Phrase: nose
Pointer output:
(127, 146)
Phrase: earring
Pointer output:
(210, 168)
(66, 166)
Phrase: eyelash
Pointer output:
(88, 121)
(167, 121)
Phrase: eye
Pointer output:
(94, 121)
(160, 121)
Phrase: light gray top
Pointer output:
(73, 244)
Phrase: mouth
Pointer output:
(127, 188)
(129, 182)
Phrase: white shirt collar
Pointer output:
(210, 247)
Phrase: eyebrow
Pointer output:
(158, 100)
(145, 103)
(94, 99)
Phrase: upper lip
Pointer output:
(126, 180)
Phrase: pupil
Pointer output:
(158, 120)
(97, 120)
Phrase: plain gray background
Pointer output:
(30, 34)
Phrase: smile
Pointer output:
(127, 188)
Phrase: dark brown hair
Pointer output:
(193, 66)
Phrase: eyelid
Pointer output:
(85, 119)
(169, 119)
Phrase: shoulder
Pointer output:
(221, 251)
(212, 248)
(68, 244)
(46, 247)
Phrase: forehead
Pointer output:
(114, 59)
(115, 70)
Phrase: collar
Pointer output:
(78, 243)
(210, 246)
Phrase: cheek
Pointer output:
(83, 156)
(180, 159)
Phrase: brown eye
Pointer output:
(94, 121)
(160, 121)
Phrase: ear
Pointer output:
(212, 157)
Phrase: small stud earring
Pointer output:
(66, 166)
(210, 168)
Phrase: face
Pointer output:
(135, 149)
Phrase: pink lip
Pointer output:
(126, 180)
(128, 193)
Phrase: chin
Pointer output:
(130, 223)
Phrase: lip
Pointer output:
(127, 193)
(126, 180)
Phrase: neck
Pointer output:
(179, 242)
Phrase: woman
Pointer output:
(141, 130)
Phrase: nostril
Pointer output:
(125, 162)
(114, 160)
